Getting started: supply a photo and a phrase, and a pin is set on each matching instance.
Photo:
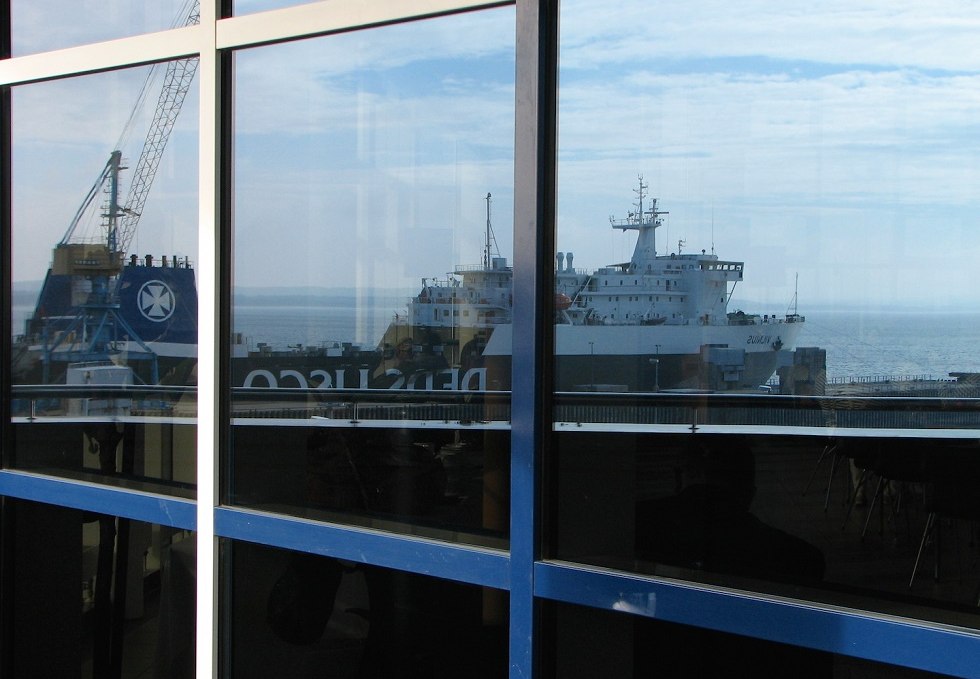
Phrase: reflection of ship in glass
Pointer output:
(144, 317)
(654, 322)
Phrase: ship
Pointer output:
(656, 322)
(144, 318)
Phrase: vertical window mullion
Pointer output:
(534, 182)
(209, 341)
(6, 553)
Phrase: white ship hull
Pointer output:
(650, 358)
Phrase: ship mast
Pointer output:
(486, 245)
(490, 249)
(646, 223)
(796, 297)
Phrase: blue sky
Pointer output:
(838, 142)
(40, 25)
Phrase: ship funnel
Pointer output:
(570, 256)
(561, 261)
(149, 260)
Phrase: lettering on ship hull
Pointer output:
(474, 379)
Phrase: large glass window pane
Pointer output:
(764, 319)
(369, 384)
(98, 596)
(104, 243)
(297, 616)
(42, 25)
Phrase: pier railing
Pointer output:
(886, 379)
(447, 409)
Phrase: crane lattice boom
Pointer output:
(121, 220)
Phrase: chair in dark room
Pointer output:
(952, 494)
(897, 465)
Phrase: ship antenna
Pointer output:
(486, 251)
(712, 229)
(490, 246)
(640, 193)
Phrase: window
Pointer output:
(381, 181)
(694, 461)
(119, 330)
(386, 487)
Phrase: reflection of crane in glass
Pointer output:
(95, 264)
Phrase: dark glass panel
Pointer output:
(43, 25)
(99, 596)
(369, 384)
(296, 616)
(105, 339)
(886, 524)
(437, 482)
(589, 642)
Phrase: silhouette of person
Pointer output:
(708, 526)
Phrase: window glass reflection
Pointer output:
(367, 166)
(105, 339)
(788, 192)
(99, 596)
(41, 25)
(789, 282)
(251, 6)
(298, 615)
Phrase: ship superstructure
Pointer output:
(654, 322)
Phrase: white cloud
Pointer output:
(828, 141)
(40, 25)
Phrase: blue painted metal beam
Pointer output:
(463, 563)
(130, 504)
(889, 639)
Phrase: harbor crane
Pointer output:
(95, 265)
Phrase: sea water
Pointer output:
(858, 343)
(894, 343)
